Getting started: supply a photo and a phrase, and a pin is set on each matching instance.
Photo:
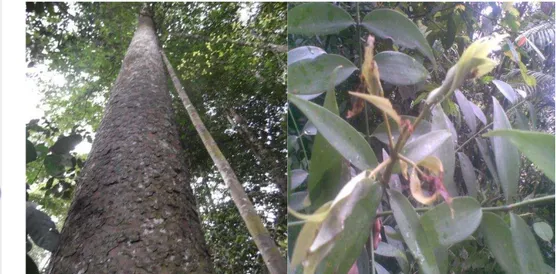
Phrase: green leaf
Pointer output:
(296, 200)
(537, 146)
(530, 257)
(478, 112)
(298, 176)
(450, 36)
(467, 110)
(339, 133)
(467, 217)
(318, 19)
(30, 265)
(302, 53)
(426, 145)
(498, 238)
(348, 245)
(399, 68)
(485, 152)
(468, 173)
(387, 250)
(520, 121)
(391, 24)
(311, 76)
(66, 144)
(30, 152)
(532, 114)
(446, 151)
(506, 90)
(544, 231)
(413, 233)
(506, 155)
(325, 169)
(53, 164)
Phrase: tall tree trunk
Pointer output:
(275, 263)
(133, 210)
(262, 154)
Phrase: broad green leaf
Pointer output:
(450, 36)
(309, 129)
(467, 110)
(391, 24)
(395, 239)
(297, 199)
(498, 238)
(54, 165)
(506, 90)
(380, 131)
(65, 144)
(485, 152)
(362, 262)
(379, 269)
(413, 233)
(467, 217)
(468, 173)
(298, 177)
(326, 169)
(399, 68)
(318, 19)
(385, 249)
(537, 146)
(30, 152)
(544, 231)
(446, 151)
(520, 121)
(293, 145)
(425, 144)
(506, 155)
(311, 76)
(530, 257)
(339, 133)
(349, 245)
(302, 53)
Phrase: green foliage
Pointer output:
(463, 234)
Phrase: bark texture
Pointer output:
(274, 261)
(133, 210)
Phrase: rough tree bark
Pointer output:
(261, 153)
(275, 263)
(133, 210)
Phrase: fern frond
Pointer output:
(545, 82)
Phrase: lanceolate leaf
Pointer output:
(399, 68)
(298, 177)
(538, 147)
(485, 152)
(413, 233)
(506, 90)
(341, 135)
(467, 217)
(302, 53)
(544, 231)
(478, 112)
(425, 145)
(349, 245)
(325, 168)
(498, 238)
(318, 19)
(446, 151)
(468, 173)
(506, 155)
(382, 103)
(311, 76)
(530, 258)
(467, 110)
(391, 24)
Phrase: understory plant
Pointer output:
(346, 206)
